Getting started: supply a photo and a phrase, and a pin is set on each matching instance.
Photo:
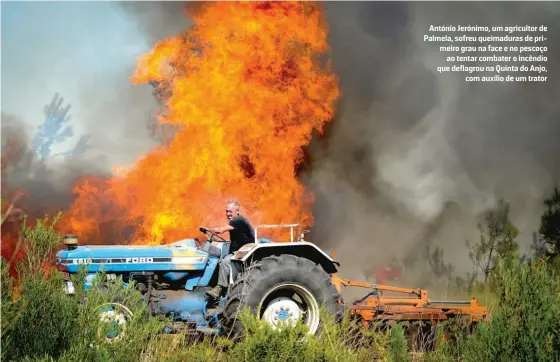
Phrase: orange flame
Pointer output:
(247, 88)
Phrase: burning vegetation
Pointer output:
(245, 88)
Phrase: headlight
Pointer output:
(69, 288)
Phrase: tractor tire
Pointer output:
(283, 288)
(114, 320)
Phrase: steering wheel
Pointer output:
(212, 234)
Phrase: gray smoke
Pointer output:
(156, 20)
(87, 53)
(407, 141)
(47, 185)
(412, 157)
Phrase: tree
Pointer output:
(442, 271)
(497, 240)
(54, 129)
(525, 324)
(550, 224)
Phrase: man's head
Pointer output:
(232, 209)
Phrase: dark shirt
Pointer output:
(241, 234)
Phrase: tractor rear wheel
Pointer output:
(282, 289)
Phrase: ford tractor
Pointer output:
(282, 282)
(288, 281)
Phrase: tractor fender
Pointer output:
(256, 251)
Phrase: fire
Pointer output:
(247, 86)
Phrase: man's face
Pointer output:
(231, 211)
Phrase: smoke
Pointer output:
(411, 159)
(156, 20)
(47, 186)
(415, 156)
(87, 53)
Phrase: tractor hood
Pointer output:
(181, 255)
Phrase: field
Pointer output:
(41, 323)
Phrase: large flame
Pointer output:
(247, 85)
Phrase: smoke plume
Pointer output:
(50, 48)
(414, 156)
(411, 159)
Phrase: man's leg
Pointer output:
(235, 269)
(225, 268)
(223, 277)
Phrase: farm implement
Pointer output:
(283, 282)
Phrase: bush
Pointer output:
(342, 341)
(399, 345)
(45, 322)
(41, 323)
(526, 327)
(42, 320)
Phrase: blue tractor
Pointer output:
(280, 281)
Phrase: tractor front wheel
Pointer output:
(114, 319)
(283, 290)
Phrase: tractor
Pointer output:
(283, 282)
(288, 281)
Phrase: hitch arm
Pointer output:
(338, 282)
(417, 298)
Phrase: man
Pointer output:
(240, 233)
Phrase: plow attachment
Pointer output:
(409, 305)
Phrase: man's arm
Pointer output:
(234, 223)
(220, 229)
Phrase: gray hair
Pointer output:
(235, 202)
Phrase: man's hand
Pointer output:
(205, 230)
(216, 230)
(199, 243)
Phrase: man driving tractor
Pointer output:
(240, 233)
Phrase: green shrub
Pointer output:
(42, 321)
(262, 343)
(526, 327)
(45, 324)
(399, 345)
(343, 341)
